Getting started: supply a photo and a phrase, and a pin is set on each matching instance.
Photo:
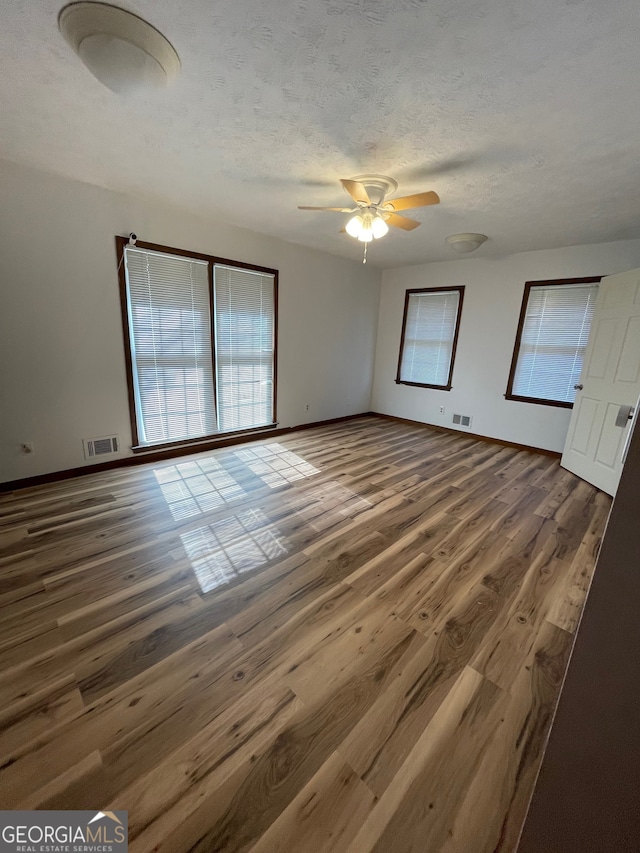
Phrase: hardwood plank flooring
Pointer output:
(348, 639)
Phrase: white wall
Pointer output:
(492, 300)
(62, 369)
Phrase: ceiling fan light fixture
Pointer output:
(379, 227)
(464, 243)
(366, 231)
(121, 50)
(354, 226)
(366, 227)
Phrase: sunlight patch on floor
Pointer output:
(275, 465)
(223, 551)
(192, 488)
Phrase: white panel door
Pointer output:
(609, 387)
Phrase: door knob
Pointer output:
(578, 387)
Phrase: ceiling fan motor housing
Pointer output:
(377, 186)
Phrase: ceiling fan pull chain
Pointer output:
(364, 260)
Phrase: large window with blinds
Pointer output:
(200, 336)
(552, 337)
(429, 336)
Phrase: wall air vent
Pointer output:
(100, 446)
(462, 420)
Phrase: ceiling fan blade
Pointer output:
(401, 221)
(357, 191)
(409, 201)
(338, 209)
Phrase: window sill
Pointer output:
(559, 404)
(205, 441)
(424, 385)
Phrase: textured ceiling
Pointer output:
(523, 115)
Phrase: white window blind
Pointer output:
(429, 333)
(244, 335)
(170, 330)
(553, 340)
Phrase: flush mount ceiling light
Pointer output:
(466, 242)
(121, 50)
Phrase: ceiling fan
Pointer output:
(373, 214)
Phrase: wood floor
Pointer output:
(349, 639)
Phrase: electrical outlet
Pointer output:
(27, 448)
(442, 410)
(306, 408)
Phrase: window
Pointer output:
(553, 331)
(429, 336)
(200, 334)
(244, 312)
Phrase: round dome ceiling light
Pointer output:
(466, 242)
(121, 50)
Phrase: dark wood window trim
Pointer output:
(454, 346)
(561, 404)
(121, 243)
(252, 432)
